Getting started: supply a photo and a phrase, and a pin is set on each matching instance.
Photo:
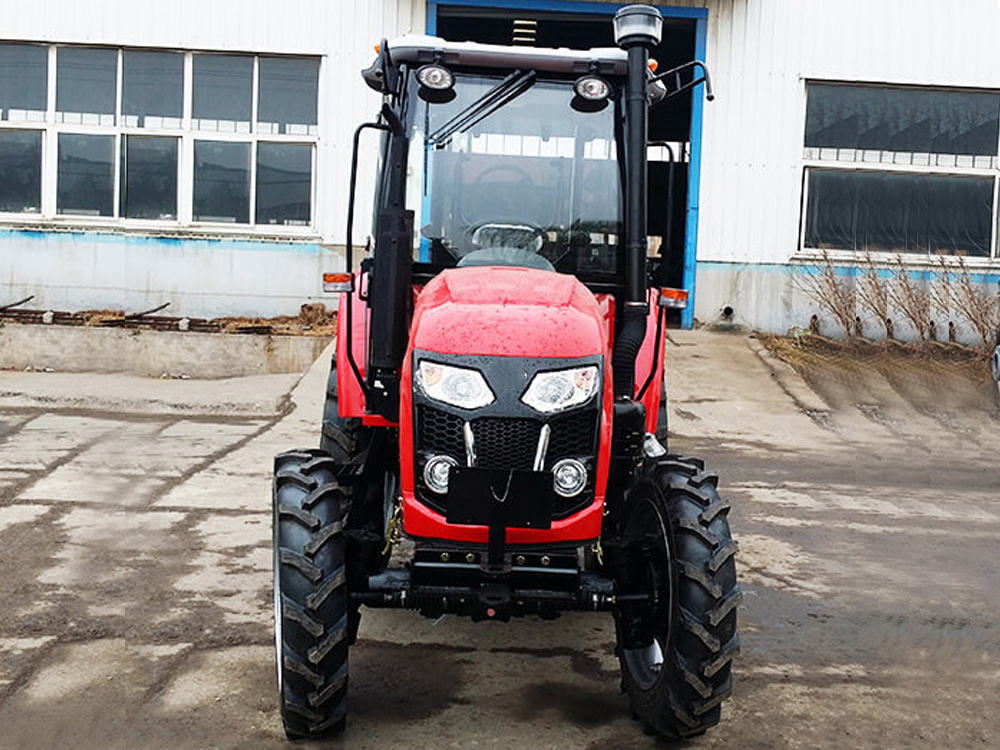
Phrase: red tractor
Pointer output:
(496, 394)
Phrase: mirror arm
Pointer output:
(705, 78)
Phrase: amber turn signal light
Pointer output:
(676, 299)
(338, 282)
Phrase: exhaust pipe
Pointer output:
(638, 28)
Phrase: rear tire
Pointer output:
(662, 417)
(359, 453)
(676, 649)
(311, 606)
(344, 438)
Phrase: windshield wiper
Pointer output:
(500, 95)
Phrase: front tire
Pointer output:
(677, 636)
(310, 594)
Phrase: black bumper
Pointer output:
(457, 581)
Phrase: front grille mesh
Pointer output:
(508, 443)
(573, 435)
(440, 432)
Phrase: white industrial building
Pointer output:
(198, 153)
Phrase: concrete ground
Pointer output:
(135, 575)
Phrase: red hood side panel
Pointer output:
(508, 312)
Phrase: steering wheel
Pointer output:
(524, 177)
(482, 231)
(506, 256)
(502, 253)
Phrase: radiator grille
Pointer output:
(507, 443)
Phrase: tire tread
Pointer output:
(696, 677)
(311, 595)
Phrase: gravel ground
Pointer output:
(135, 550)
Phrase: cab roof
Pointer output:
(418, 49)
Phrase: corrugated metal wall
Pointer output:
(761, 53)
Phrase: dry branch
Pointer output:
(872, 293)
(835, 294)
(911, 298)
(977, 305)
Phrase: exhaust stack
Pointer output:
(638, 28)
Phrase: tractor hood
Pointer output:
(509, 312)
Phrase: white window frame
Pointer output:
(186, 135)
(893, 162)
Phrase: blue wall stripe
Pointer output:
(884, 272)
(164, 243)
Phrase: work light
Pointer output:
(435, 77)
(592, 88)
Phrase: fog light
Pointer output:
(436, 472)
(569, 477)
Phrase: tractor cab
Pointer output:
(514, 166)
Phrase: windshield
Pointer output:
(508, 171)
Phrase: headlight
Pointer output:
(555, 391)
(466, 389)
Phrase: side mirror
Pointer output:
(379, 75)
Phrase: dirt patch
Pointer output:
(940, 378)
(311, 320)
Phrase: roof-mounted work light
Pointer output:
(592, 88)
(435, 77)
(638, 24)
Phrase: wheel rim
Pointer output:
(278, 639)
(648, 526)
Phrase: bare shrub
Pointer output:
(977, 305)
(941, 296)
(873, 295)
(834, 293)
(912, 298)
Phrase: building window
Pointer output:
(223, 92)
(21, 167)
(901, 170)
(86, 85)
(149, 177)
(163, 137)
(284, 176)
(86, 181)
(222, 182)
(23, 82)
(152, 89)
(287, 101)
